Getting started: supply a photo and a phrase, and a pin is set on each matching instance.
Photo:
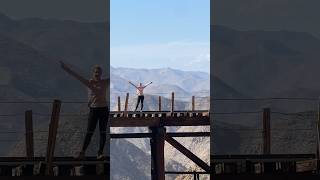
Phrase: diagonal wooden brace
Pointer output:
(187, 153)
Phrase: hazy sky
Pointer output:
(81, 10)
(160, 33)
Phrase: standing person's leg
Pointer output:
(92, 123)
(138, 101)
(142, 99)
(103, 121)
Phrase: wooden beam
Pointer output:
(126, 105)
(261, 158)
(266, 131)
(153, 112)
(155, 121)
(160, 104)
(149, 135)
(318, 134)
(119, 104)
(157, 153)
(172, 102)
(53, 126)
(193, 103)
(29, 134)
(187, 153)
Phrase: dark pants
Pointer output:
(95, 115)
(140, 99)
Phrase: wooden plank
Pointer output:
(149, 135)
(187, 121)
(187, 153)
(306, 166)
(29, 134)
(266, 131)
(130, 135)
(52, 136)
(155, 121)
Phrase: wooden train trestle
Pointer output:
(157, 123)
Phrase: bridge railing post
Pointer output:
(160, 104)
(53, 127)
(119, 104)
(29, 134)
(266, 131)
(172, 102)
(193, 103)
(126, 105)
(318, 136)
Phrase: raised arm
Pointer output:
(133, 84)
(74, 74)
(148, 84)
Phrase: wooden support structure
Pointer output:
(119, 104)
(155, 122)
(266, 131)
(149, 135)
(318, 133)
(172, 102)
(126, 105)
(187, 153)
(53, 127)
(29, 134)
(160, 109)
(193, 103)
(157, 153)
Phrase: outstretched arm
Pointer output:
(74, 74)
(133, 84)
(148, 84)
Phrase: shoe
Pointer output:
(81, 155)
(100, 156)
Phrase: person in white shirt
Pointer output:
(97, 102)
(140, 94)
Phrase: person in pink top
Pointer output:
(97, 103)
(140, 94)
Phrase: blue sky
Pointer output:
(160, 33)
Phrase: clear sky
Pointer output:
(160, 33)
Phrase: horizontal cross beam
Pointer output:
(156, 121)
(149, 135)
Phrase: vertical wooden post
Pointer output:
(29, 134)
(193, 103)
(318, 133)
(126, 105)
(53, 126)
(266, 131)
(119, 104)
(157, 153)
(160, 104)
(172, 102)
